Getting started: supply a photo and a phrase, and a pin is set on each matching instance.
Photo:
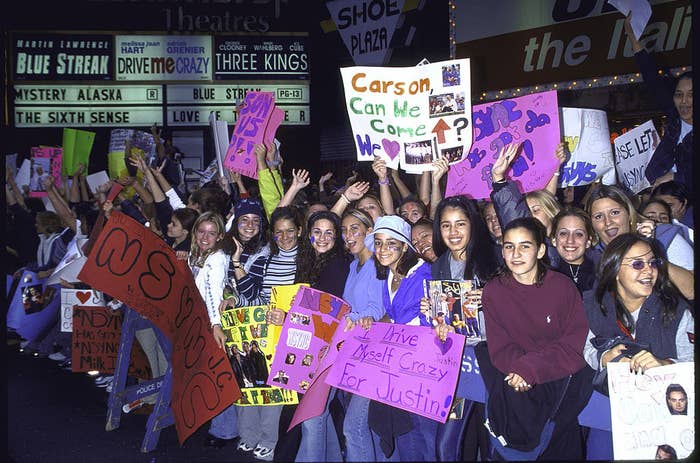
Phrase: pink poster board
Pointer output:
(403, 366)
(532, 121)
(45, 161)
(306, 337)
(254, 117)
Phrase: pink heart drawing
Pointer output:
(391, 148)
(443, 346)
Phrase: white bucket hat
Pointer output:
(391, 225)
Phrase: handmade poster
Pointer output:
(641, 12)
(633, 151)
(72, 261)
(97, 179)
(45, 161)
(306, 336)
(96, 339)
(253, 118)
(450, 302)
(15, 308)
(403, 366)
(219, 131)
(588, 137)
(135, 266)
(282, 297)
(141, 143)
(313, 402)
(73, 297)
(41, 304)
(77, 145)
(11, 164)
(23, 174)
(529, 120)
(410, 116)
(652, 412)
(251, 346)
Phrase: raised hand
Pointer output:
(300, 179)
(441, 167)
(505, 157)
(325, 177)
(379, 168)
(356, 190)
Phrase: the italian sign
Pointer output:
(531, 121)
(261, 57)
(306, 337)
(410, 115)
(588, 137)
(653, 414)
(251, 344)
(404, 366)
(137, 267)
(633, 151)
(62, 56)
(159, 57)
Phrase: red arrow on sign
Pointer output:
(440, 128)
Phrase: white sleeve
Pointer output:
(214, 282)
(680, 252)
(590, 353)
(174, 199)
(684, 348)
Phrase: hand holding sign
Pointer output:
(507, 154)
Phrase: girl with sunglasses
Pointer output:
(635, 305)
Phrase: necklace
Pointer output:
(574, 275)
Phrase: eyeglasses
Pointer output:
(638, 264)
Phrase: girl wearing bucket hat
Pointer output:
(398, 264)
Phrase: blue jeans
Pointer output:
(450, 436)
(419, 443)
(225, 424)
(319, 440)
(356, 430)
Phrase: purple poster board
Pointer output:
(306, 338)
(533, 121)
(253, 118)
(400, 365)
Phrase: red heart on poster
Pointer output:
(83, 296)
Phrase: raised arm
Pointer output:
(561, 154)
(424, 187)
(17, 194)
(269, 179)
(300, 180)
(403, 190)
(379, 168)
(441, 168)
(352, 193)
(74, 193)
(58, 203)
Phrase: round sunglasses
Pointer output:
(638, 264)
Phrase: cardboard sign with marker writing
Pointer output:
(134, 265)
(404, 366)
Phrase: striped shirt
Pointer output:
(281, 270)
(250, 285)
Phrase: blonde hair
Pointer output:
(196, 257)
(547, 200)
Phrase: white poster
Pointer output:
(163, 57)
(72, 297)
(410, 115)
(653, 414)
(633, 151)
(587, 134)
